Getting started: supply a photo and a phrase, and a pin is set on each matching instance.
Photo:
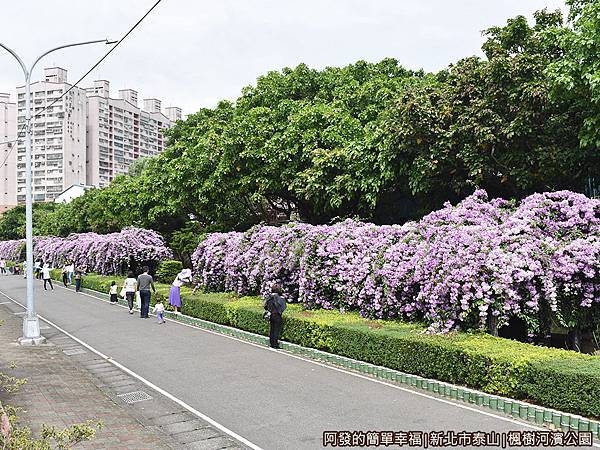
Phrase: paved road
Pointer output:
(270, 398)
(59, 392)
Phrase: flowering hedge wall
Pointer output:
(102, 253)
(11, 250)
(465, 266)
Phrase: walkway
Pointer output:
(272, 399)
(60, 393)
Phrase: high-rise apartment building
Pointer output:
(58, 136)
(119, 132)
(8, 157)
(83, 138)
(173, 113)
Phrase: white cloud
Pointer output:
(190, 53)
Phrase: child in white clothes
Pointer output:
(113, 292)
(159, 309)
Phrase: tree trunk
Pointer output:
(574, 340)
(493, 324)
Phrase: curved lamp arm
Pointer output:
(12, 52)
(27, 73)
(106, 41)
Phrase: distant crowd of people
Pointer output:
(9, 268)
(41, 271)
(142, 287)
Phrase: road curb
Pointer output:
(517, 409)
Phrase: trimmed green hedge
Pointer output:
(550, 377)
(168, 270)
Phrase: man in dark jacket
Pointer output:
(144, 283)
(276, 305)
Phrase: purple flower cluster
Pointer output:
(11, 250)
(458, 267)
(102, 253)
(253, 261)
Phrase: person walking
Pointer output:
(45, 270)
(113, 292)
(159, 309)
(78, 275)
(275, 306)
(144, 283)
(70, 272)
(2, 267)
(129, 288)
(65, 276)
(37, 270)
(185, 276)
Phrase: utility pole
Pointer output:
(31, 324)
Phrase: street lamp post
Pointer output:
(31, 324)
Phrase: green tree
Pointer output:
(299, 141)
(576, 74)
(12, 222)
(369, 140)
(493, 123)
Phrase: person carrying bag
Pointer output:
(274, 307)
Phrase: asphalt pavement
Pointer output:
(272, 399)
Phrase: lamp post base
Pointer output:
(31, 332)
(32, 341)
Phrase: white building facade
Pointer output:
(8, 155)
(72, 192)
(58, 136)
(84, 138)
(119, 132)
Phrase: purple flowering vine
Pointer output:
(458, 267)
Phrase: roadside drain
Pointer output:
(74, 351)
(134, 397)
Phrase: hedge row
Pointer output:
(550, 377)
(554, 378)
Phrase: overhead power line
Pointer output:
(117, 43)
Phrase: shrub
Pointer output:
(103, 253)
(168, 270)
(566, 384)
(12, 250)
(470, 266)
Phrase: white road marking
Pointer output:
(364, 377)
(158, 389)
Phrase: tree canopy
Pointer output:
(374, 141)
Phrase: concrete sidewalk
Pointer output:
(67, 385)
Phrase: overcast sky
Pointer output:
(193, 53)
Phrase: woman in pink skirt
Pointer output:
(185, 276)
